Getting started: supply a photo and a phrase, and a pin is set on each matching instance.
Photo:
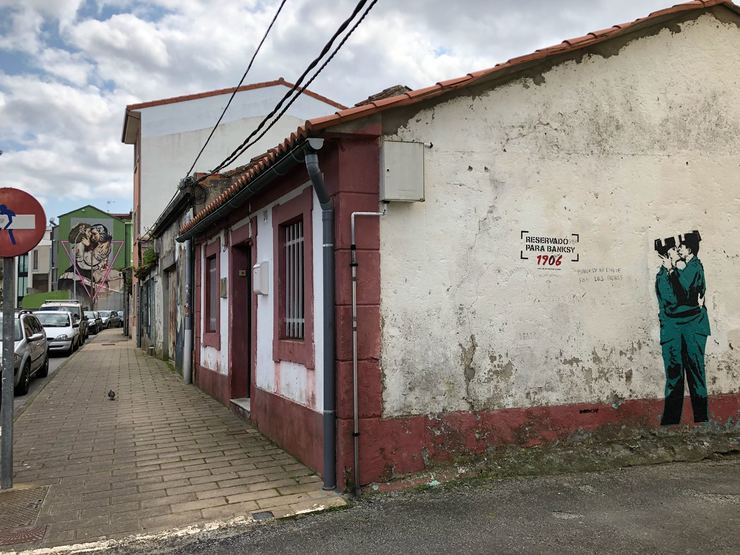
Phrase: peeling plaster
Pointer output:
(618, 148)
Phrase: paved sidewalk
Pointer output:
(162, 455)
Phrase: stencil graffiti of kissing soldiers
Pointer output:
(684, 325)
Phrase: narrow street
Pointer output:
(159, 455)
(675, 508)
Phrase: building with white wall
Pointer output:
(168, 134)
(508, 293)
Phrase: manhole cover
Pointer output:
(19, 509)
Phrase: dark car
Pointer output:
(94, 321)
(115, 319)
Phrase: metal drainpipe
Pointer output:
(187, 357)
(327, 217)
(355, 393)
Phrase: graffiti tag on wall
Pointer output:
(549, 252)
(681, 288)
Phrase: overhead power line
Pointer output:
(297, 89)
(233, 94)
(304, 87)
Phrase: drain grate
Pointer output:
(22, 535)
(19, 509)
(108, 344)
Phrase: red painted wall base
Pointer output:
(295, 428)
(215, 384)
(392, 447)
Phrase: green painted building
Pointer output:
(92, 256)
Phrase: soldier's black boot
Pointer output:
(700, 408)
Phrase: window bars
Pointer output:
(294, 297)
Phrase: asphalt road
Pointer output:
(676, 508)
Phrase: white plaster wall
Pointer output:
(621, 150)
(172, 135)
(287, 379)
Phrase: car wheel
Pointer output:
(44, 370)
(25, 382)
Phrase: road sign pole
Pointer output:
(8, 381)
(22, 226)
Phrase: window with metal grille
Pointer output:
(293, 252)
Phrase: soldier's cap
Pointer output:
(664, 245)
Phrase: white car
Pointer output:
(62, 332)
(73, 306)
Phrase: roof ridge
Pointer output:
(216, 92)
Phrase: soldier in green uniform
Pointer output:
(684, 325)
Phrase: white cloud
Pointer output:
(66, 107)
(21, 30)
(71, 67)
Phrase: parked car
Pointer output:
(62, 332)
(31, 356)
(75, 308)
(115, 319)
(94, 321)
(105, 318)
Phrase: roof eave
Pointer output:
(280, 167)
(176, 207)
(131, 123)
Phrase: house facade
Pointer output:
(167, 136)
(518, 255)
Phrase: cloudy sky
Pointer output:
(69, 67)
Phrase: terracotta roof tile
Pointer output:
(419, 95)
(384, 101)
(578, 40)
(422, 92)
(357, 110)
(452, 82)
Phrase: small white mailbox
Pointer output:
(261, 278)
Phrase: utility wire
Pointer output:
(246, 143)
(304, 87)
(223, 113)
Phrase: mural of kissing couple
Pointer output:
(92, 254)
(684, 325)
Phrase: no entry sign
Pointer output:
(22, 222)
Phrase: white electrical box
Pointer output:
(401, 171)
(261, 278)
